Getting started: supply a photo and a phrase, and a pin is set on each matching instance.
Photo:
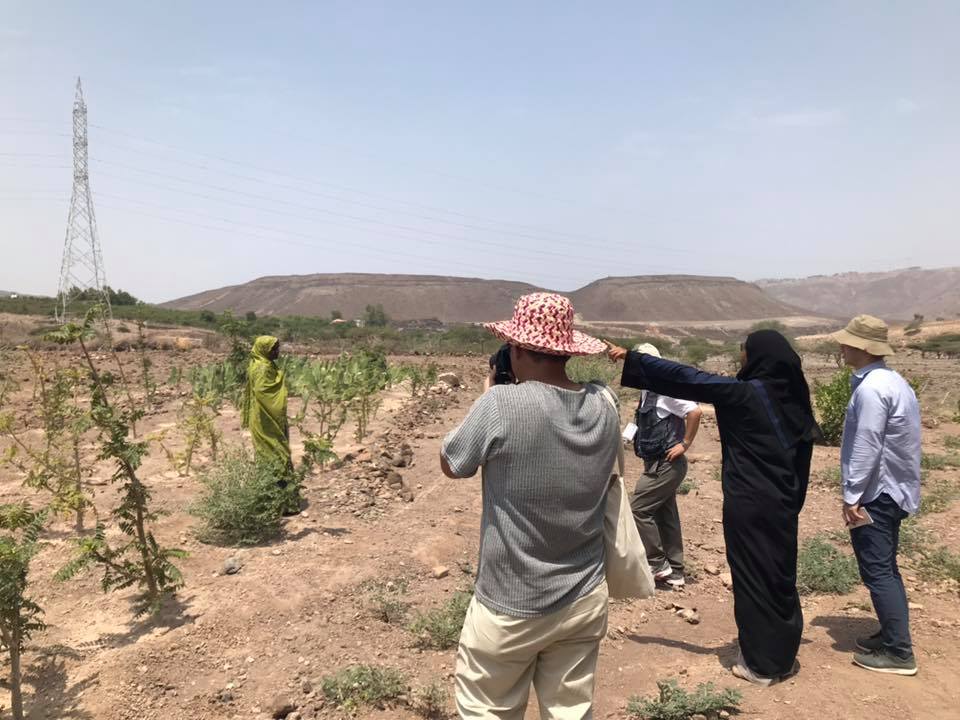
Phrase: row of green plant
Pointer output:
(437, 628)
(84, 401)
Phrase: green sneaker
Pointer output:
(885, 662)
(870, 643)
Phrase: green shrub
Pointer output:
(675, 703)
(940, 564)
(431, 701)
(592, 368)
(938, 462)
(686, 487)
(821, 568)
(831, 399)
(241, 503)
(386, 602)
(440, 628)
(364, 685)
(951, 442)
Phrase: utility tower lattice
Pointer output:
(82, 266)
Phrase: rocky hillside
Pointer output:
(452, 299)
(894, 295)
(664, 298)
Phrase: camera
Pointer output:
(500, 364)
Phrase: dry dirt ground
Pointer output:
(233, 645)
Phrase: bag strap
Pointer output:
(608, 394)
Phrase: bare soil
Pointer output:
(236, 645)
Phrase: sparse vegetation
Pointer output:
(687, 486)
(938, 462)
(431, 701)
(831, 399)
(241, 502)
(387, 602)
(592, 368)
(675, 703)
(821, 568)
(951, 442)
(936, 496)
(830, 476)
(440, 628)
(360, 685)
(940, 564)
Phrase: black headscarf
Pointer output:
(772, 361)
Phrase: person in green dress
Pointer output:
(265, 413)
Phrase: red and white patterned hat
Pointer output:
(544, 322)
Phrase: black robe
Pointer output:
(764, 488)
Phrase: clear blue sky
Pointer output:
(548, 142)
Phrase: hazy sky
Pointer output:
(548, 142)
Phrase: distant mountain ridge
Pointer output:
(454, 299)
(892, 295)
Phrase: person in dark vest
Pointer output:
(666, 428)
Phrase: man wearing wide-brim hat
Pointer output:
(880, 470)
(546, 446)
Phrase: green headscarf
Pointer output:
(266, 404)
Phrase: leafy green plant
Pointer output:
(821, 568)
(19, 614)
(831, 399)
(152, 570)
(675, 703)
(360, 685)
(419, 376)
(241, 503)
(440, 627)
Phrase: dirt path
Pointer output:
(234, 646)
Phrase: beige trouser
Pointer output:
(499, 656)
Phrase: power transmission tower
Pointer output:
(82, 266)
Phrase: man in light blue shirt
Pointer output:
(880, 468)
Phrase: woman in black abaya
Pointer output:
(767, 431)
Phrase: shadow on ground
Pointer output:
(845, 630)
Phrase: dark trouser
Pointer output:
(654, 505)
(876, 549)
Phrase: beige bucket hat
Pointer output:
(867, 333)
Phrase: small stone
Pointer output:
(281, 707)
(914, 606)
(306, 686)
(690, 615)
(440, 571)
(724, 715)
(727, 579)
(449, 379)
(711, 570)
(698, 716)
(231, 566)
(275, 552)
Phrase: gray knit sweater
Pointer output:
(546, 455)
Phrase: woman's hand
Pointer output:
(615, 352)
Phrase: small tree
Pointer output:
(19, 615)
(152, 569)
(336, 315)
(375, 316)
(831, 399)
(251, 316)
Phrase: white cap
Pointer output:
(647, 348)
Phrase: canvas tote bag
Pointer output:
(628, 573)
